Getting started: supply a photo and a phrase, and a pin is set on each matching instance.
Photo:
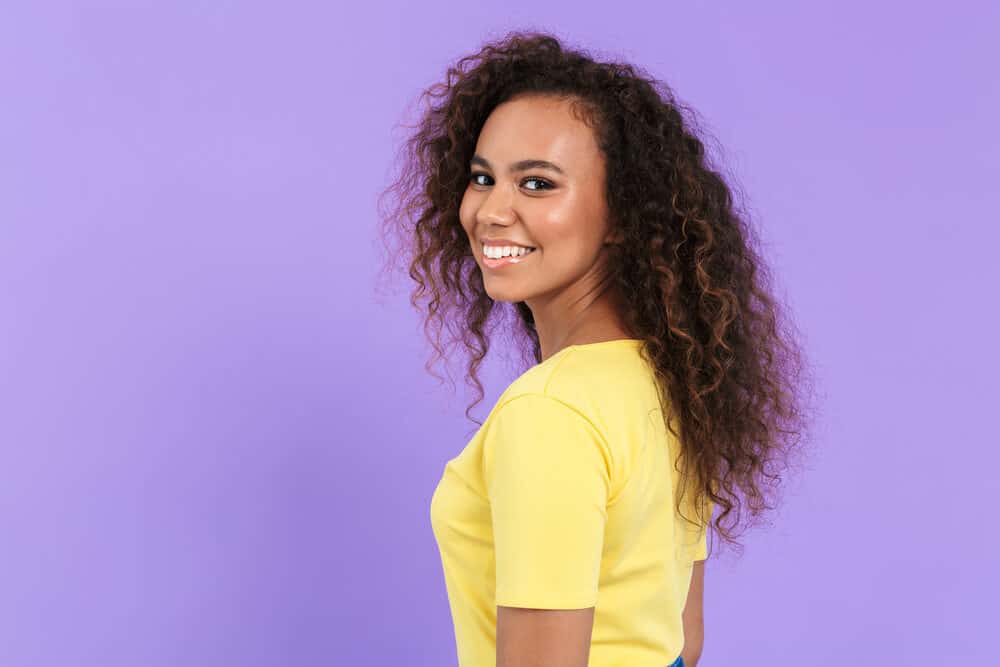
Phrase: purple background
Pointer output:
(218, 444)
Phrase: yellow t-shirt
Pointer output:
(564, 499)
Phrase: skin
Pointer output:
(561, 637)
(565, 217)
(693, 616)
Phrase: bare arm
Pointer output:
(693, 617)
(543, 637)
(561, 637)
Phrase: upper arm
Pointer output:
(547, 473)
(543, 637)
(694, 605)
(693, 615)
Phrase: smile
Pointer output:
(509, 260)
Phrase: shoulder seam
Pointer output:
(548, 380)
(612, 499)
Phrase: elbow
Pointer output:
(694, 641)
(691, 660)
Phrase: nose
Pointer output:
(496, 207)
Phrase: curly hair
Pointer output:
(727, 361)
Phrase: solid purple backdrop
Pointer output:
(218, 447)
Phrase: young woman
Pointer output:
(573, 527)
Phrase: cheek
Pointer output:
(567, 254)
(560, 237)
(465, 217)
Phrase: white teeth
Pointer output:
(496, 252)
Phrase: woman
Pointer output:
(573, 526)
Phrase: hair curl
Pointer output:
(726, 357)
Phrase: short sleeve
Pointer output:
(547, 473)
(701, 550)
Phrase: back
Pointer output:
(564, 499)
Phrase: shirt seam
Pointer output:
(545, 390)
(569, 406)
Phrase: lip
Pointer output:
(504, 262)
(503, 242)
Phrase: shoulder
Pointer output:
(536, 436)
(536, 409)
(603, 393)
(584, 377)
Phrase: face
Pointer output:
(560, 211)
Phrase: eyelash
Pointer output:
(548, 186)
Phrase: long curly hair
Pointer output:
(728, 365)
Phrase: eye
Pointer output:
(545, 184)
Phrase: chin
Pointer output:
(507, 295)
(506, 298)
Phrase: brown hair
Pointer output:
(725, 355)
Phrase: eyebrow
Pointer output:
(521, 165)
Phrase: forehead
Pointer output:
(537, 127)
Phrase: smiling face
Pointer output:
(561, 211)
